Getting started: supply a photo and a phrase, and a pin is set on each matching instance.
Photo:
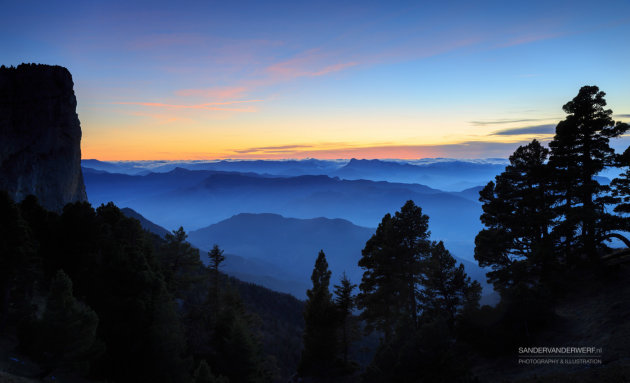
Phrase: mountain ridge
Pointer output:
(291, 245)
(440, 173)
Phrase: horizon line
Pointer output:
(303, 159)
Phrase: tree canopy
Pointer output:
(580, 150)
(320, 325)
(392, 260)
(518, 214)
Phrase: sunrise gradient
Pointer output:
(326, 79)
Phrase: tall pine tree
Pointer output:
(180, 262)
(518, 213)
(320, 343)
(392, 260)
(216, 258)
(446, 289)
(580, 150)
(344, 300)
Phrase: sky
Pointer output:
(322, 79)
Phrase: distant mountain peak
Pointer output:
(180, 170)
(279, 217)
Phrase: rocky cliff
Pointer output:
(40, 135)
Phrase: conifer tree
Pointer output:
(377, 298)
(447, 290)
(216, 258)
(518, 213)
(428, 352)
(344, 300)
(579, 151)
(320, 345)
(180, 262)
(392, 260)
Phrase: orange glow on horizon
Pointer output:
(474, 149)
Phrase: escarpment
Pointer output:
(40, 135)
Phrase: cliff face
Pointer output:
(40, 135)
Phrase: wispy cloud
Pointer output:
(333, 68)
(214, 93)
(622, 115)
(505, 121)
(536, 129)
(272, 149)
(206, 106)
(529, 38)
(259, 64)
(312, 62)
(468, 149)
(162, 118)
(162, 41)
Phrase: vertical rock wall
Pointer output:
(40, 135)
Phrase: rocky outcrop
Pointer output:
(40, 135)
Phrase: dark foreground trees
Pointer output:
(330, 327)
(216, 258)
(408, 278)
(518, 213)
(580, 150)
(320, 324)
(65, 337)
(119, 310)
(345, 304)
(109, 313)
(414, 295)
(180, 262)
(392, 260)
(15, 250)
(546, 220)
(547, 212)
(447, 293)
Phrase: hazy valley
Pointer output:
(272, 226)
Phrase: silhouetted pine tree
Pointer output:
(446, 289)
(216, 257)
(392, 260)
(344, 300)
(519, 217)
(320, 324)
(428, 351)
(579, 151)
(180, 262)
